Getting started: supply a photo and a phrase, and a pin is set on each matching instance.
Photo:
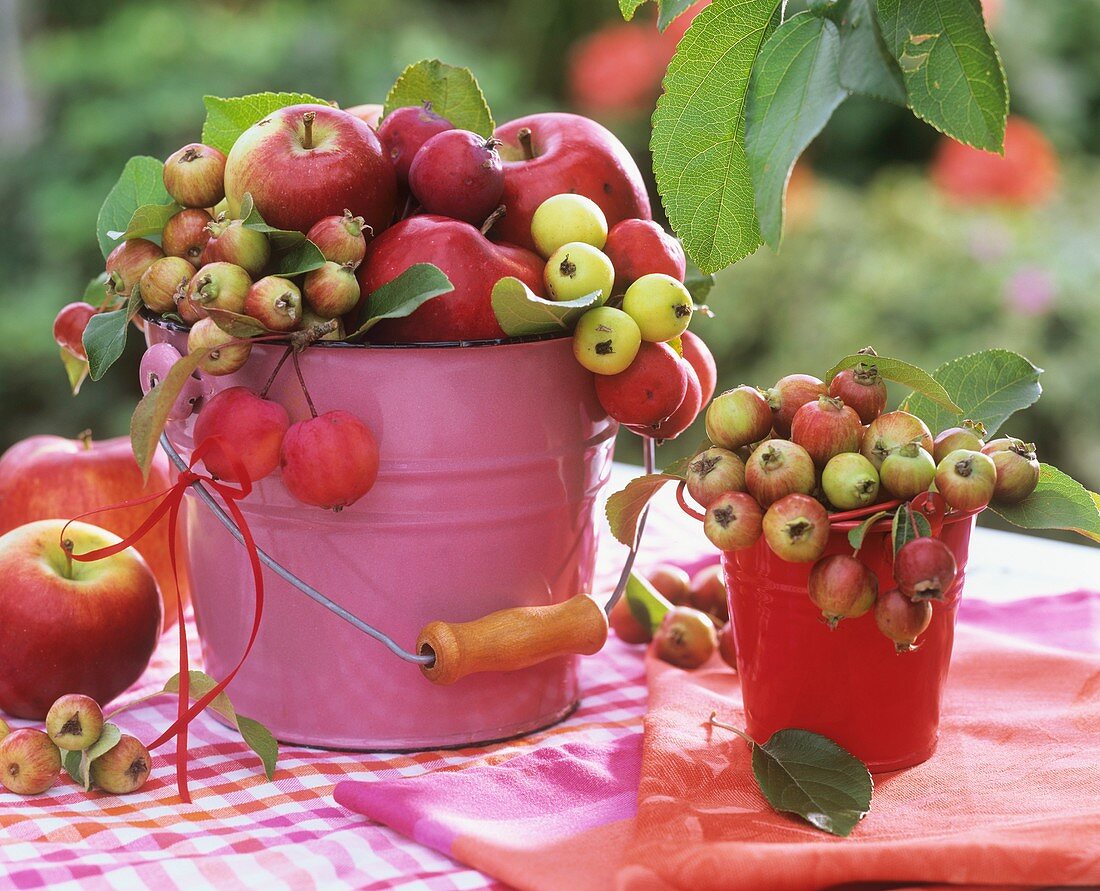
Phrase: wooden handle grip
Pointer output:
(511, 639)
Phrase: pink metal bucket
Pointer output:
(492, 458)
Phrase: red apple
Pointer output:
(565, 153)
(301, 168)
(50, 476)
(700, 358)
(86, 628)
(639, 247)
(472, 263)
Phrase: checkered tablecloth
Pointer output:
(244, 831)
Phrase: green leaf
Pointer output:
(256, 736)
(856, 536)
(236, 324)
(698, 140)
(698, 283)
(71, 762)
(626, 506)
(667, 10)
(917, 379)
(149, 219)
(76, 369)
(988, 387)
(297, 254)
(226, 119)
(404, 295)
(151, 414)
(95, 292)
(902, 531)
(141, 182)
(807, 774)
(520, 311)
(1058, 502)
(108, 739)
(647, 604)
(866, 65)
(952, 71)
(794, 89)
(105, 337)
(453, 92)
(629, 7)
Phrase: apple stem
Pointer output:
(67, 547)
(491, 220)
(85, 438)
(307, 122)
(714, 722)
(305, 389)
(275, 372)
(524, 137)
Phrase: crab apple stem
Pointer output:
(67, 547)
(85, 438)
(305, 389)
(307, 122)
(714, 722)
(491, 220)
(275, 372)
(525, 142)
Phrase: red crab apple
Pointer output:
(163, 283)
(924, 569)
(778, 467)
(305, 162)
(626, 625)
(850, 481)
(671, 582)
(194, 175)
(251, 429)
(714, 472)
(1017, 469)
(902, 620)
(966, 479)
(733, 521)
(232, 242)
(340, 238)
(738, 417)
(649, 391)
(458, 174)
(842, 587)
(727, 645)
(548, 154)
(968, 436)
(641, 247)
(275, 302)
(221, 354)
(889, 432)
(74, 722)
(796, 528)
(701, 359)
(685, 414)
(124, 768)
(332, 290)
(471, 262)
(686, 637)
(863, 389)
(789, 394)
(826, 427)
(50, 476)
(69, 325)
(29, 763)
(70, 627)
(708, 592)
(186, 234)
(370, 113)
(329, 461)
(404, 130)
(127, 262)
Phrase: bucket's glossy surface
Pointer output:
(849, 684)
(491, 461)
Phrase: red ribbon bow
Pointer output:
(170, 501)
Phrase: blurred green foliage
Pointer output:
(880, 259)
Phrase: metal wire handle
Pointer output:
(313, 594)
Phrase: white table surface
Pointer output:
(1004, 566)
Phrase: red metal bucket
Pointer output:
(848, 684)
(492, 458)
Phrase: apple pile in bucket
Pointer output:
(783, 464)
(396, 225)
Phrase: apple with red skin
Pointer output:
(69, 325)
(86, 628)
(305, 162)
(50, 476)
(685, 414)
(472, 263)
(565, 153)
(330, 461)
(640, 247)
(370, 113)
(404, 130)
(699, 357)
(650, 389)
(248, 427)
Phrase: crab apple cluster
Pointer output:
(786, 464)
(30, 758)
(696, 623)
(651, 374)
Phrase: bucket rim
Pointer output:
(152, 318)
